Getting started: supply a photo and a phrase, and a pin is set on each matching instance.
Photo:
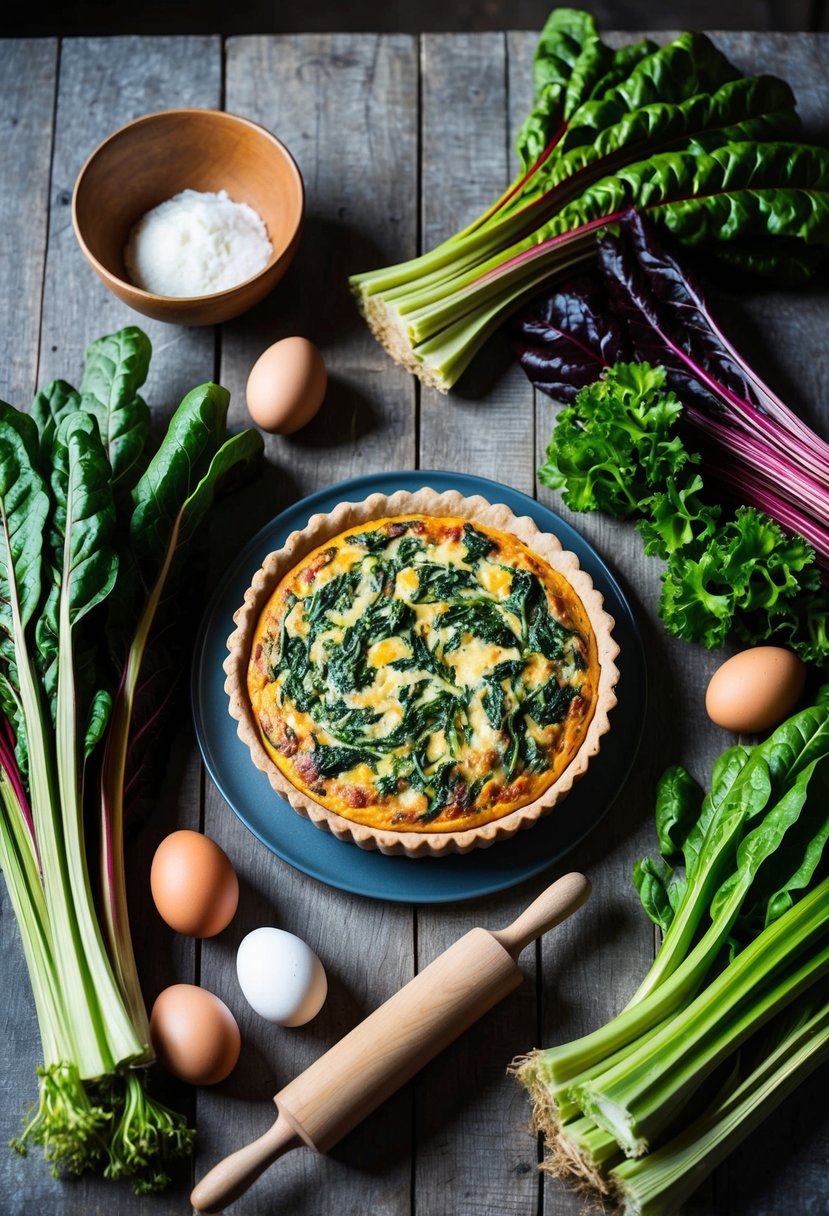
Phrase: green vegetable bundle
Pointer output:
(93, 533)
(617, 449)
(734, 1011)
(675, 132)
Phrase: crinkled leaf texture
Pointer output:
(171, 501)
(615, 443)
(115, 367)
(81, 559)
(24, 514)
(567, 339)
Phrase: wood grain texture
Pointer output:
(347, 109)
(466, 164)
(472, 1148)
(28, 72)
(105, 83)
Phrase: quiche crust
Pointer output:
(420, 827)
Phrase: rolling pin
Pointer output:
(384, 1051)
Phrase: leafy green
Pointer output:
(64, 551)
(331, 761)
(675, 132)
(615, 444)
(476, 544)
(24, 511)
(437, 582)
(566, 35)
(741, 893)
(550, 703)
(481, 618)
(616, 449)
(749, 566)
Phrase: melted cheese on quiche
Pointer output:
(423, 674)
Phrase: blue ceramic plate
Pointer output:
(340, 863)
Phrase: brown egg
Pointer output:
(194, 1034)
(194, 886)
(755, 690)
(286, 386)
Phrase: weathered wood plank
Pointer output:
(103, 84)
(28, 72)
(347, 107)
(465, 166)
(473, 1155)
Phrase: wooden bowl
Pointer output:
(151, 159)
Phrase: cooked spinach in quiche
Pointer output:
(423, 673)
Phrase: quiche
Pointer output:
(422, 680)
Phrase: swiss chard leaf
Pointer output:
(49, 408)
(476, 544)
(115, 367)
(741, 190)
(565, 340)
(688, 66)
(750, 108)
(550, 703)
(332, 761)
(176, 490)
(171, 500)
(24, 512)
(82, 559)
(660, 889)
(678, 803)
(561, 44)
(480, 618)
(763, 846)
(437, 583)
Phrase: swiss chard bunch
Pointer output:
(674, 131)
(666, 439)
(94, 532)
(734, 1010)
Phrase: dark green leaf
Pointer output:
(481, 618)
(477, 545)
(332, 761)
(24, 500)
(81, 552)
(550, 703)
(115, 367)
(49, 408)
(678, 802)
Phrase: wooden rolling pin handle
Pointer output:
(232, 1177)
(552, 907)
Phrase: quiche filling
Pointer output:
(423, 674)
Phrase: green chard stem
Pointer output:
(113, 873)
(636, 1100)
(657, 1184)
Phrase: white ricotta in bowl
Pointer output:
(196, 244)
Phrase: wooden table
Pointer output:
(400, 141)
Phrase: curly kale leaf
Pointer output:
(749, 573)
(615, 445)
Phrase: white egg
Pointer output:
(281, 977)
